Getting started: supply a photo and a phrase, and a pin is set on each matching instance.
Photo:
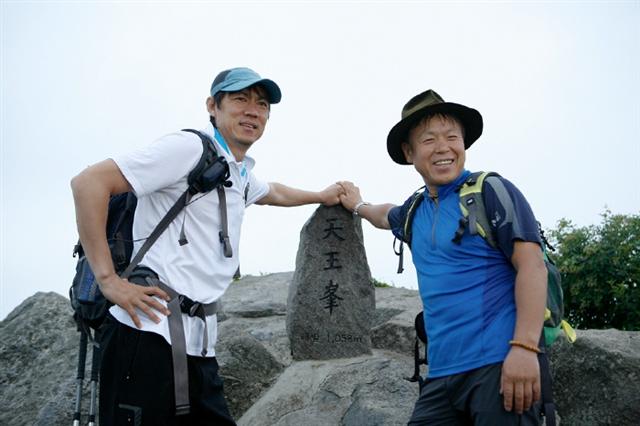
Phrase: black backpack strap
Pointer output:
(157, 231)
(224, 232)
(546, 385)
(417, 360)
(416, 199)
(400, 253)
(208, 161)
(416, 365)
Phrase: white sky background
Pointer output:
(558, 86)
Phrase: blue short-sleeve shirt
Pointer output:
(467, 289)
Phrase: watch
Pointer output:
(357, 207)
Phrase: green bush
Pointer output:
(600, 267)
(379, 284)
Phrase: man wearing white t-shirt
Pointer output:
(137, 370)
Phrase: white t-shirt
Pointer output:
(158, 175)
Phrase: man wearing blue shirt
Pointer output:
(483, 306)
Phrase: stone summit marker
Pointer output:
(331, 299)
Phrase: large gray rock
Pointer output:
(331, 299)
(38, 363)
(393, 328)
(256, 306)
(248, 369)
(252, 347)
(257, 296)
(597, 378)
(366, 390)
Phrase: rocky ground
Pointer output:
(596, 379)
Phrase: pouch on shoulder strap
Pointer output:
(212, 169)
(473, 207)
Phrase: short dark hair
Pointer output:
(217, 99)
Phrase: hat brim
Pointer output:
(469, 117)
(273, 91)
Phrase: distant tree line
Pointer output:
(600, 268)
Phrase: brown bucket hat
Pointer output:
(427, 103)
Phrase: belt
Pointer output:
(177, 305)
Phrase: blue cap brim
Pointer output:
(273, 91)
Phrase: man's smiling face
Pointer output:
(242, 116)
(436, 150)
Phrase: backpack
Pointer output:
(89, 305)
(476, 220)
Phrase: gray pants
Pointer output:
(470, 398)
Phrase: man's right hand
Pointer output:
(376, 214)
(132, 297)
(350, 196)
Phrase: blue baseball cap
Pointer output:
(236, 79)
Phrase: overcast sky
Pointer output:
(558, 85)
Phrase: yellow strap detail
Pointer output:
(477, 187)
(569, 331)
(547, 314)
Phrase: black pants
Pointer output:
(136, 383)
(470, 398)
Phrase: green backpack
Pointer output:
(476, 219)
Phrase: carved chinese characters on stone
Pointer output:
(331, 229)
(331, 298)
(332, 260)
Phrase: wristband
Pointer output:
(357, 207)
(525, 346)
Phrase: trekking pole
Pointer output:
(82, 357)
(95, 372)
